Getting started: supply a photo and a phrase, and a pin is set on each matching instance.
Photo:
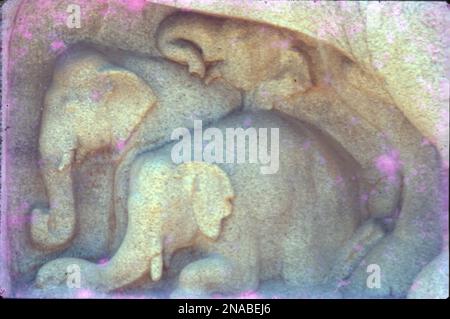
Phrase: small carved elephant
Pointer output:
(247, 225)
(90, 105)
(263, 61)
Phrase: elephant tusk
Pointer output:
(66, 161)
(156, 265)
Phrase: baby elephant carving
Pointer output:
(262, 60)
(248, 226)
(90, 105)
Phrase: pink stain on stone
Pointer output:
(390, 38)
(282, 44)
(134, 5)
(57, 45)
(425, 142)
(343, 283)
(247, 122)
(322, 160)
(18, 221)
(84, 294)
(168, 240)
(328, 30)
(354, 120)
(250, 294)
(96, 95)
(415, 286)
(364, 198)
(306, 145)
(355, 29)
(389, 164)
(328, 79)
(444, 91)
(378, 64)
(103, 261)
(27, 35)
(120, 145)
(24, 206)
(60, 18)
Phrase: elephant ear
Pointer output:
(126, 97)
(211, 194)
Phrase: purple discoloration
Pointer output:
(306, 145)
(57, 45)
(247, 122)
(134, 5)
(250, 294)
(339, 180)
(364, 198)
(342, 283)
(19, 221)
(103, 261)
(355, 121)
(96, 95)
(120, 145)
(328, 80)
(281, 44)
(389, 164)
(168, 240)
(84, 294)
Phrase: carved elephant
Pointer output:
(247, 225)
(400, 181)
(90, 105)
(400, 168)
(265, 62)
(268, 64)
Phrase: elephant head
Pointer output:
(90, 105)
(245, 55)
(195, 195)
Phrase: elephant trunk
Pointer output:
(139, 253)
(54, 229)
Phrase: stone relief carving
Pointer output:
(249, 56)
(83, 112)
(358, 183)
(202, 197)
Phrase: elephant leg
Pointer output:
(128, 265)
(68, 273)
(381, 192)
(124, 269)
(53, 228)
(415, 240)
(139, 251)
(213, 274)
(350, 256)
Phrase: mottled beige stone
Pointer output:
(358, 90)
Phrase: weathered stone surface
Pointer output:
(432, 281)
(93, 203)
